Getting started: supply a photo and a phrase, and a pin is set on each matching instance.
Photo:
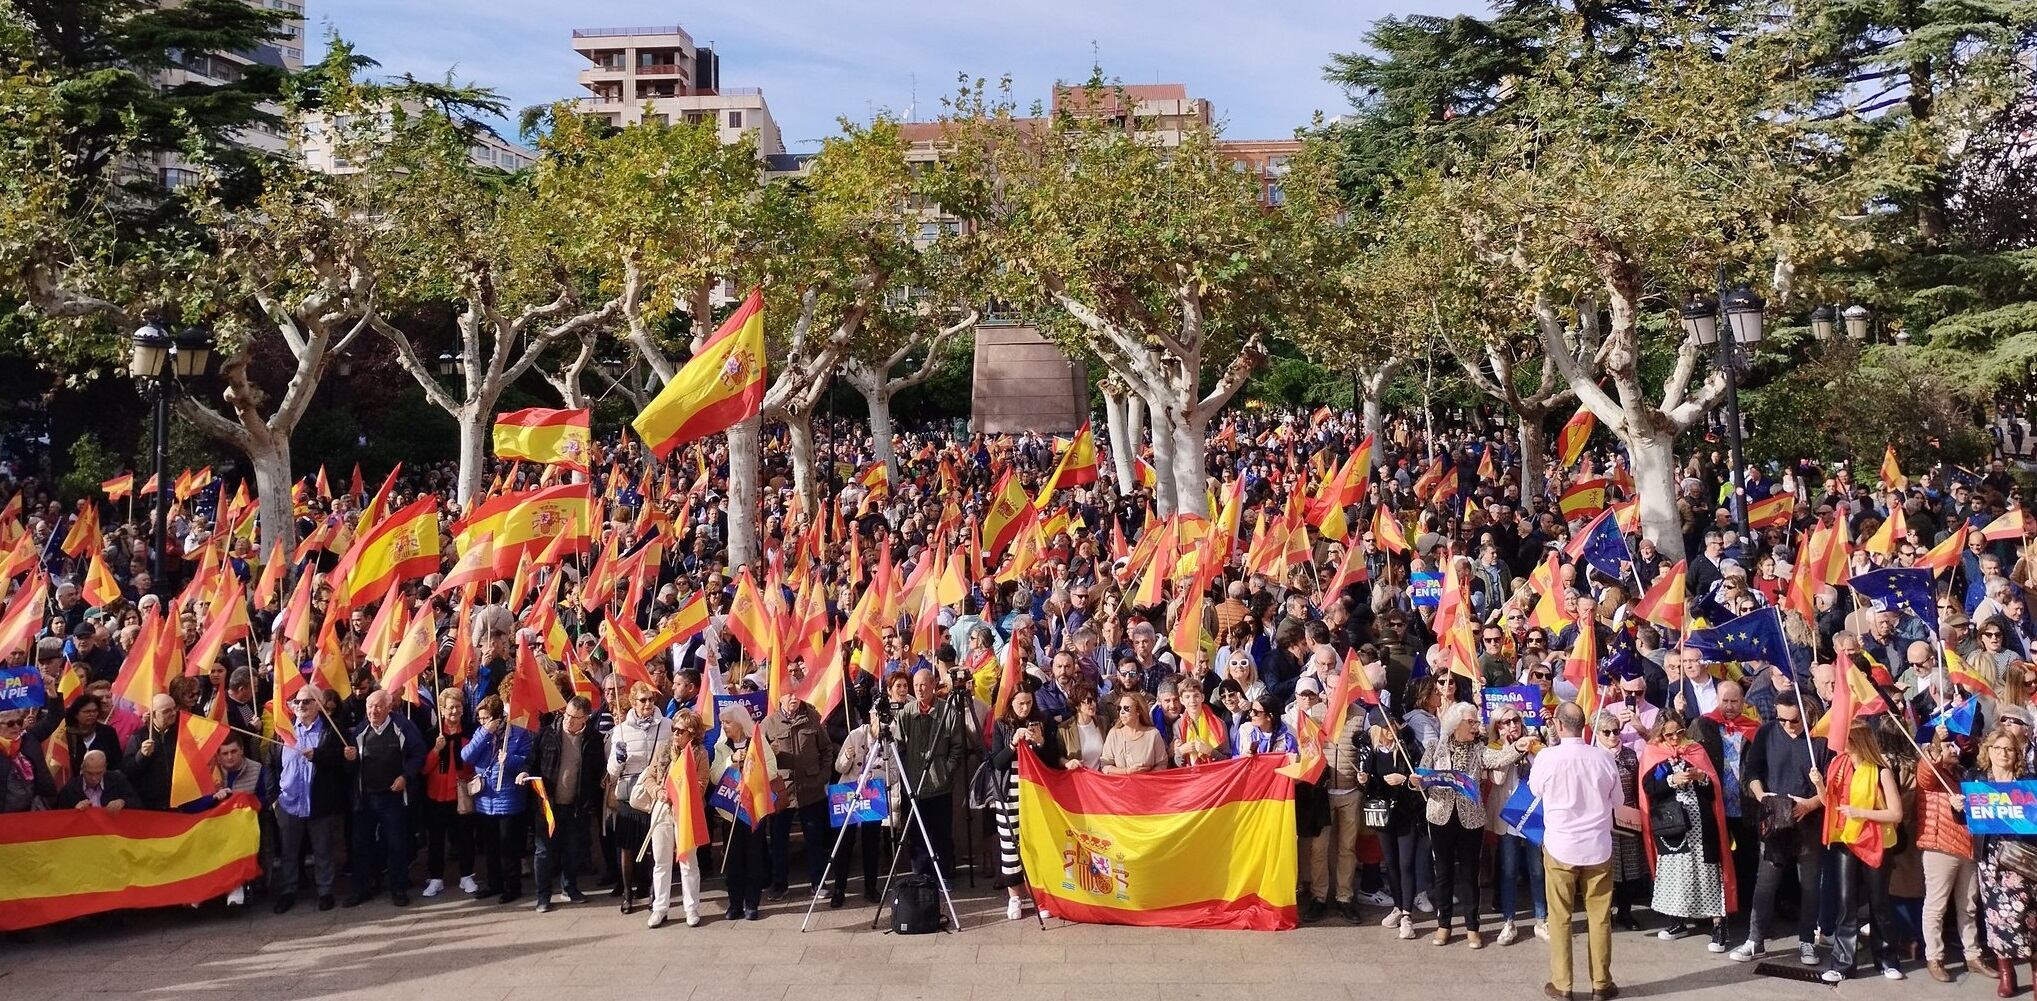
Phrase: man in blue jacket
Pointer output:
(388, 757)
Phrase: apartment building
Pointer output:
(660, 71)
(217, 68)
(321, 144)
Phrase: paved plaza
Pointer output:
(454, 948)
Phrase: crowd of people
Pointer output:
(1683, 794)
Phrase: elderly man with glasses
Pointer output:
(310, 789)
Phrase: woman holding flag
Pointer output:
(667, 792)
(1863, 805)
(1684, 826)
(1020, 725)
(1448, 781)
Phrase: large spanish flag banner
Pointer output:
(1205, 847)
(63, 864)
(722, 384)
(551, 437)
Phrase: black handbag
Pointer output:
(1667, 821)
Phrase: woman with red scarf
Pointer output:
(1863, 804)
(1683, 823)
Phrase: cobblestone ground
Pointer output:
(455, 948)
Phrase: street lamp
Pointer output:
(1821, 323)
(1859, 322)
(157, 361)
(1743, 315)
(449, 364)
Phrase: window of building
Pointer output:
(177, 177)
(1275, 196)
(735, 119)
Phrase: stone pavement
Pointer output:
(455, 948)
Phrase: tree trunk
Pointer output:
(1165, 496)
(1375, 414)
(879, 402)
(1534, 456)
(270, 461)
(1190, 448)
(1653, 454)
(1135, 422)
(474, 442)
(1114, 426)
(745, 457)
(799, 432)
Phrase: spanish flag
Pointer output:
(1143, 473)
(1772, 510)
(100, 588)
(84, 536)
(1664, 602)
(527, 523)
(683, 787)
(64, 864)
(551, 437)
(1892, 477)
(1386, 531)
(23, 617)
(754, 798)
(721, 385)
(191, 775)
(1077, 466)
(405, 546)
(118, 487)
(1576, 432)
(1010, 510)
(1584, 499)
(1205, 847)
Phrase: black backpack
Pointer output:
(915, 905)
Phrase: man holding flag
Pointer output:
(388, 759)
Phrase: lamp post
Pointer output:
(1741, 312)
(1858, 320)
(158, 361)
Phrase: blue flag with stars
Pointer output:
(1604, 547)
(1900, 589)
(1754, 636)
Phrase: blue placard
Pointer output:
(723, 795)
(758, 703)
(846, 806)
(1526, 698)
(1425, 590)
(2001, 807)
(21, 688)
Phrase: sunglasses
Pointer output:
(1609, 733)
(1539, 676)
(1261, 712)
(303, 702)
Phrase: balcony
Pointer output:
(660, 69)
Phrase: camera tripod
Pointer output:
(886, 745)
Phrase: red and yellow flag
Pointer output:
(683, 788)
(1892, 477)
(754, 798)
(192, 776)
(1205, 847)
(1663, 604)
(1010, 510)
(1576, 432)
(1772, 511)
(84, 534)
(530, 522)
(118, 487)
(1584, 499)
(1386, 531)
(2008, 526)
(404, 546)
(23, 617)
(551, 437)
(1581, 667)
(64, 864)
(721, 385)
(1077, 466)
(100, 588)
(1945, 555)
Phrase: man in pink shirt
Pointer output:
(1578, 785)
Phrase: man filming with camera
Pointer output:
(930, 738)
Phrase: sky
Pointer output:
(1259, 64)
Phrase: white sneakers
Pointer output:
(1407, 928)
(1542, 930)
(1508, 933)
(1747, 952)
(1392, 918)
(1014, 909)
(238, 897)
(1422, 903)
(467, 884)
(657, 920)
(692, 919)
(434, 887)
(1376, 898)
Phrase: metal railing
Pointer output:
(656, 29)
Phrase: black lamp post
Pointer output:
(1858, 320)
(158, 361)
(1741, 312)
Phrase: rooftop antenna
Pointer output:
(912, 104)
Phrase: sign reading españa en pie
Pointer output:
(1211, 846)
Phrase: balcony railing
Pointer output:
(659, 69)
(659, 29)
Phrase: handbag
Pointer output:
(1378, 812)
(2017, 857)
(464, 800)
(983, 787)
(1667, 821)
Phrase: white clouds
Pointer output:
(1260, 64)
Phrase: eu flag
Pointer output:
(1604, 547)
(1902, 589)
(1754, 636)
